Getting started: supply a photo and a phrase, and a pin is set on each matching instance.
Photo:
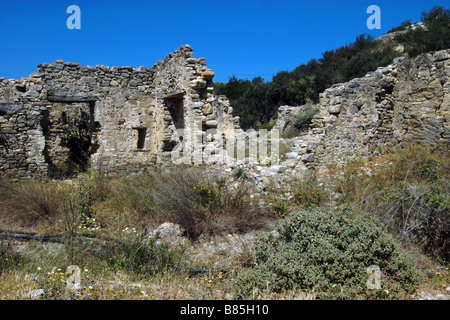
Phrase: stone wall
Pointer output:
(117, 118)
(285, 114)
(66, 116)
(406, 101)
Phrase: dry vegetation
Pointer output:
(102, 224)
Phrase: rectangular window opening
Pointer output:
(142, 132)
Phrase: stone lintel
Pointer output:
(175, 95)
(54, 98)
(10, 107)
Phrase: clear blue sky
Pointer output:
(246, 38)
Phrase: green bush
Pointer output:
(405, 25)
(32, 202)
(303, 120)
(299, 122)
(328, 253)
(308, 193)
(9, 260)
(268, 126)
(279, 207)
(256, 102)
(130, 198)
(239, 173)
(186, 196)
(433, 37)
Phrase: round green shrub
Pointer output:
(328, 254)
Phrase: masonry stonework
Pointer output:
(407, 101)
(120, 119)
(65, 116)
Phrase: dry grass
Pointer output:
(44, 267)
(408, 192)
(32, 202)
(186, 196)
(203, 205)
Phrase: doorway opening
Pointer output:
(175, 106)
(68, 127)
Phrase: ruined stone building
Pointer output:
(65, 116)
(405, 102)
(120, 119)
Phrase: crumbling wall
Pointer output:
(124, 118)
(285, 114)
(405, 101)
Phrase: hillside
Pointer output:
(352, 202)
(256, 102)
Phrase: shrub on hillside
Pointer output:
(142, 255)
(202, 204)
(299, 122)
(433, 37)
(32, 202)
(256, 102)
(186, 196)
(308, 193)
(410, 194)
(328, 253)
(9, 259)
(130, 200)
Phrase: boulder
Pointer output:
(198, 105)
(208, 75)
(309, 157)
(207, 109)
(168, 230)
(277, 169)
(212, 123)
(291, 155)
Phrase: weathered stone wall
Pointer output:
(406, 101)
(124, 118)
(285, 114)
(121, 118)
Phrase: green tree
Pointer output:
(256, 101)
(434, 36)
